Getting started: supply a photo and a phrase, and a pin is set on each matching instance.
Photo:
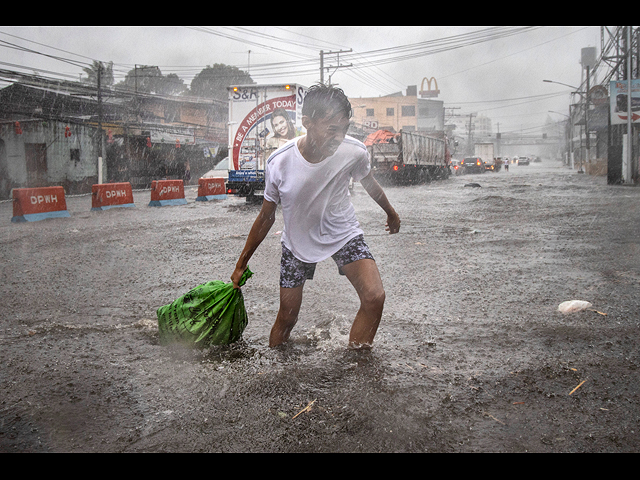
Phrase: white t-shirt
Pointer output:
(319, 218)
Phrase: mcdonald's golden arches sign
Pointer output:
(429, 93)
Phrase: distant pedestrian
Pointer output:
(187, 173)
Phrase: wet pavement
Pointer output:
(472, 354)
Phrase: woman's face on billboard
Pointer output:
(280, 126)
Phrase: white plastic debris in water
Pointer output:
(574, 306)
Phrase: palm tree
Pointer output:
(106, 74)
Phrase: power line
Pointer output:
(247, 41)
(430, 47)
(541, 96)
(307, 65)
(362, 62)
(44, 45)
(267, 36)
(373, 58)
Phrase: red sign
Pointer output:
(634, 116)
(33, 204)
(109, 195)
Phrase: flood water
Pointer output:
(470, 330)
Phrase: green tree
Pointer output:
(173, 85)
(149, 79)
(212, 81)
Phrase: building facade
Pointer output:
(54, 134)
(39, 153)
(397, 112)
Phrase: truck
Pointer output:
(485, 152)
(408, 157)
(261, 118)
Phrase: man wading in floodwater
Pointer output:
(309, 176)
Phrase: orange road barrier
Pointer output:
(33, 204)
(110, 195)
(167, 192)
(211, 189)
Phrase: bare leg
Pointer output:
(290, 302)
(365, 277)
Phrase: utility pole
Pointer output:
(619, 48)
(469, 147)
(630, 166)
(586, 124)
(99, 125)
(451, 114)
(588, 61)
(337, 66)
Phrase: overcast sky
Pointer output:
(498, 73)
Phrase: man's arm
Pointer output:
(375, 191)
(261, 226)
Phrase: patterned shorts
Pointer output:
(294, 272)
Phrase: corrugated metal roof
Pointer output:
(380, 136)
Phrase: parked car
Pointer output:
(221, 170)
(472, 165)
(523, 160)
(455, 167)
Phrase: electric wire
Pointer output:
(361, 60)
(306, 65)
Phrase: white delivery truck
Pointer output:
(261, 119)
(485, 152)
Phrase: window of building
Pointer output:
(390, 112)
(408, 110)
(369, 112)
(74, 154)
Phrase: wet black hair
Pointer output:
(321, 100)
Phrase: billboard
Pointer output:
(253, 128)
(620, 101)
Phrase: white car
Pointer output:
(221, 170)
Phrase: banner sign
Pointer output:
(261, 119)
(260, 112)
(619, 101)
(170, 135)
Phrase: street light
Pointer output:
(566, 85)
(586, 116)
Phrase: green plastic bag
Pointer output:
(210, 314)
